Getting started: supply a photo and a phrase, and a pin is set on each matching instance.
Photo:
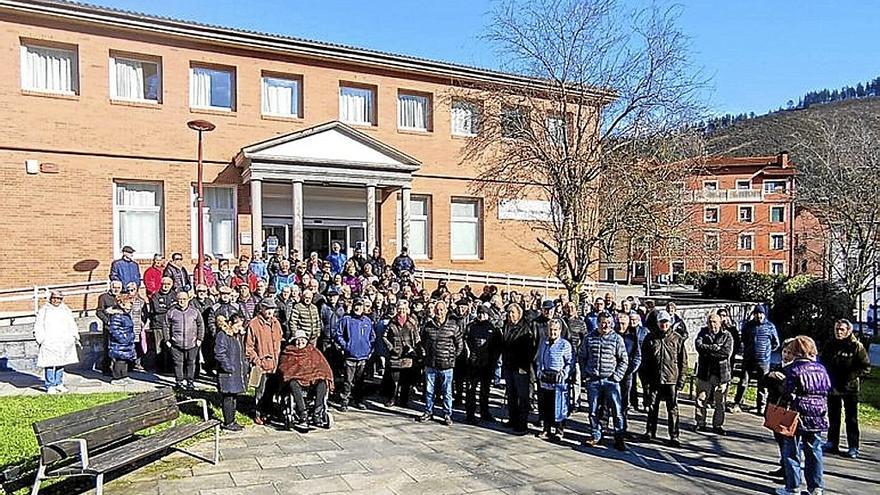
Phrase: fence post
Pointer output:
(36, 299)
(508, 283)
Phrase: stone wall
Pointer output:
(18, 349)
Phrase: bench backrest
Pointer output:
(105, 424)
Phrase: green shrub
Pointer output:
(809, 306)
(739, 286)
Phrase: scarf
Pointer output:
(307, 366)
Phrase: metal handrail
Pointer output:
(37, 293)
(507, 280)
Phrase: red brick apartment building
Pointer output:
(314, 143)
(742, 218)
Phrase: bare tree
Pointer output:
(838, 181)
(596, 127)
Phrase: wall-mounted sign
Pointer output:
(245, 238)
(529, 210)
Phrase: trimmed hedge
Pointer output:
(737, 286)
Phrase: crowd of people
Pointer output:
(305, 332)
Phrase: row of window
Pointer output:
(745, 242)
(138, 213)
(745, 214)
(769, 186)
(678, 267)
(138, 78)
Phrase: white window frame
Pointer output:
(741, 264)
(777, 207)
(780, 264)
(206, 211)
(114, 96)
(745, 235)
(418, 218)
(478, 221)
(73, 51)
(298, 94)
(706, 214)
(233, 87)
(456, 121)
(426, 99)
(774, 235)
(767, 182)
(707, 236)
(739, 216)
(713, 183)
(747, 182)
(552, 126)
(372, 118)
(117, 209)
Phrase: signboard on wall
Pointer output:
(528, 210)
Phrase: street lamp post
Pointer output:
(200, 126)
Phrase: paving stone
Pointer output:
(309, 445)
(267, 489)
(250, 452)
(313, 486)
(288, 460)
(226, 466)
(373, 481)
(331, 469)
(195, 483)
(545, 488)
(262, 476)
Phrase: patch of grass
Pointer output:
(869, 401)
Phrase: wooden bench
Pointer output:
(95, 441)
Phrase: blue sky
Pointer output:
(758, 53)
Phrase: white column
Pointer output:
(405, 194)
(296, 235)
(371, 219)
(256, 215)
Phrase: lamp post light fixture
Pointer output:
(200, 126)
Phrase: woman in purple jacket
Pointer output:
(805, 390)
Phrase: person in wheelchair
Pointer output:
(307, 381)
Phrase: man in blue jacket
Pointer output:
(336, 258)
(355, 336)
(125, 269)
(603, 364)
(759, 340)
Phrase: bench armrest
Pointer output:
(83, 449)
(204, 406)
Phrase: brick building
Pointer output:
(742, 218)
(314, 143)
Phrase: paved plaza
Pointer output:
(384, 451)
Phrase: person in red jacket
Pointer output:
(243, 275)
(153, 275)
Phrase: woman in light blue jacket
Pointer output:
(554, 362)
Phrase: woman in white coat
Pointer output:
(58, 337)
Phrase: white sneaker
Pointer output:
(784, 491)
(62, 389)
(53, 391)
(817, 491)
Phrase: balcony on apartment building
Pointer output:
(770, 192)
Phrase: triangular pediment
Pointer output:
(331, 143)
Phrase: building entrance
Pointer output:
(319, 239)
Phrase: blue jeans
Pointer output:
(604, 391)
(814, 464)
(445, 376)
(54, 376)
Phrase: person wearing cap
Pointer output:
(231, 366)
(57, 336)
(125, 269)
(153, 275)
(305, 373)
(483, 341)
(760, 339)
(462, 317)
(403, 263)
(262, 346)
(441, 290)
(183, 333)
(664, 363)
(714, 346)
(604, 363)
(355, 336)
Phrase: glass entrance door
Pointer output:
(274, 235)
(356, 238)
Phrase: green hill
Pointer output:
(786, 130)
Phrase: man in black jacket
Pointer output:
(203, 303)
(160, 304)
(519, 347)
(714, 345)
(442, 342)
(847, 361)
(664, 363)
(484, 345)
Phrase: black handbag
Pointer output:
(550, 377)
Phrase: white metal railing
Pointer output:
(507, 281)
(726, 195)
(38, 293)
